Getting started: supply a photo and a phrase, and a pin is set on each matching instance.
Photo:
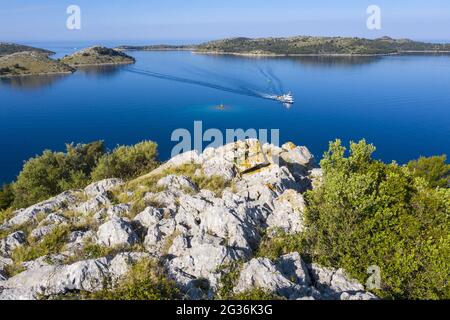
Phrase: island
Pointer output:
(34, 61)
(97, 56)
(305, 46)
(10, 48)
(31, 63)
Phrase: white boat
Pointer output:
(286, 98)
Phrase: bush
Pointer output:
(278, 243)
(369, 213)
(144, 281)
(435, 170)
(127, 162)
(54, 172)
(50, 243)
(6, 196)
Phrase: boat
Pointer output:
(286, 98)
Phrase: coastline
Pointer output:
(37, 74)
(274, 55)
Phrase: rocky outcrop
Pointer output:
(192, 232)
(291, 278)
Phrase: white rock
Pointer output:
(149, 217)
(200, 260)
(262, 273)
(153, 240)
(333, 283)
(298, 155)
(288, 212)
(119, 210)
(185, 158)
(121, 263)
(4, 263)
(115, 233)
(22, 216)
(94, 204)
(177, 183)
(40, 232)
(100, 187)
(219, 167)
(294, 268)
(11, 242)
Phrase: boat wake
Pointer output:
(240, 90)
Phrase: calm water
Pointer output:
(401, 104)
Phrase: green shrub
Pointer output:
(369, 213)
(127, 162)
(50, 244)
(277, 243)
(54, 172)
(6, 215)
(6, 196)
(435, 170)
(145, 281)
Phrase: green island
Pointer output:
(305, 45)
(18, 60)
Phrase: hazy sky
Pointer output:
(45, 20)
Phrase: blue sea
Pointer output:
(399, 103)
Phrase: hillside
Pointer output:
(95, 56)
(10, 48)
(305, 45)
(197, 214)
(31, 63)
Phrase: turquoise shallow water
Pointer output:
(401, 104)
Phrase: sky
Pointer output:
(198, 20)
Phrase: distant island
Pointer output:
(31, 63)
(18, 60)
(305, 45)
(10, 48)
(97, 55)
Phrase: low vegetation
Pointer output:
(318, 45)
(145, 281)
(276, 243)
(51, 243)
(370, 213)
(51, 173)
(127, 162)
(54, 172)
(6, 196)
(434, 170)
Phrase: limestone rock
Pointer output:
(100, 187)
(177, 183)
(115, 233)
(11, 242)
(288, 212)
(23, 216)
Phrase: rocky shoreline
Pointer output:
(195, 235)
